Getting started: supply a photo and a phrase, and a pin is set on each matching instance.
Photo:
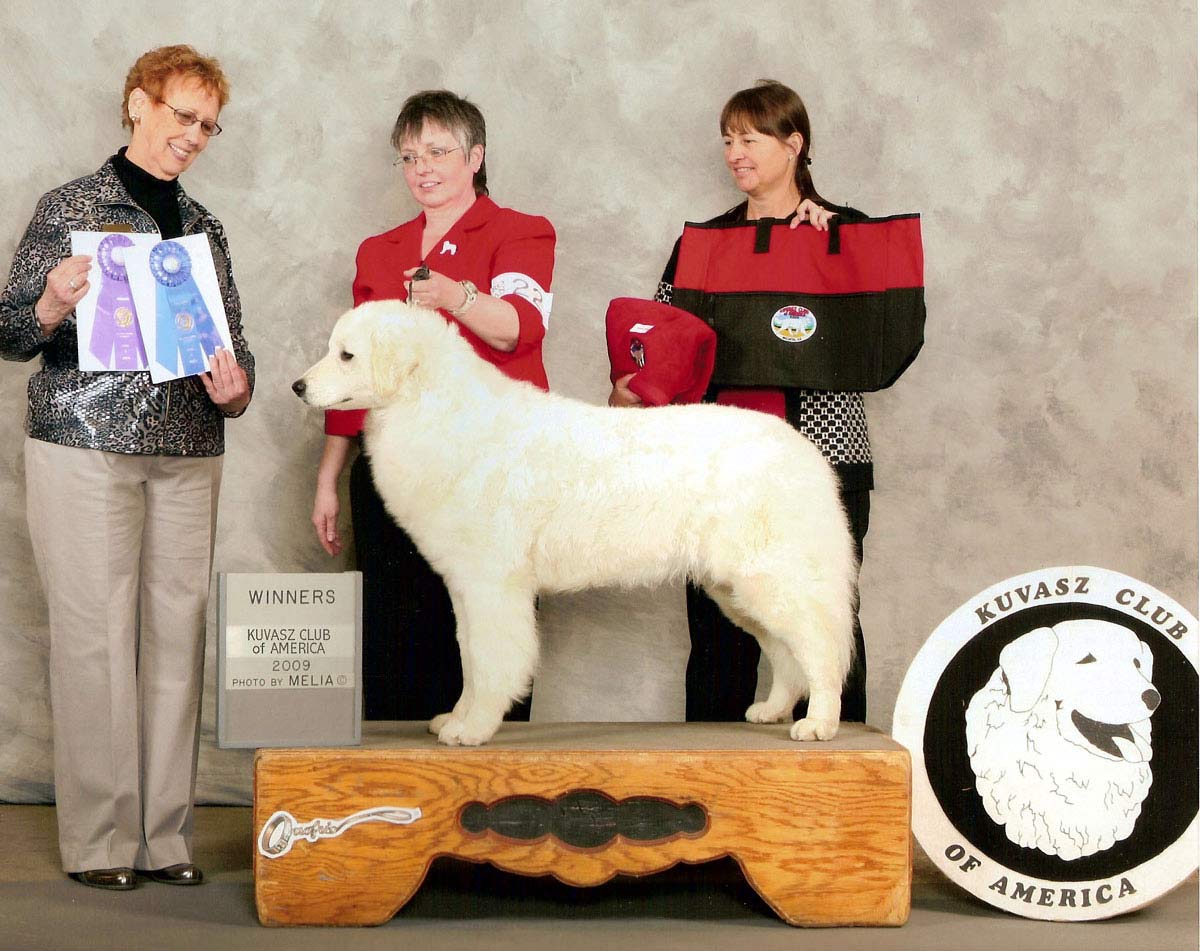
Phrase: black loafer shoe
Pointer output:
(116, 879)
(185, 873)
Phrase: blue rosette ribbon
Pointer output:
(185, 330)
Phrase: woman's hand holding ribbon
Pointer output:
(226, 382)
(66, 286)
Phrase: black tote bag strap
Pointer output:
(835, 235)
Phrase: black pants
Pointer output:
(722, 670)
(411, 665)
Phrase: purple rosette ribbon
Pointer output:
(185, 330)
(116, 340)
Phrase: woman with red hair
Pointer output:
(122, 476)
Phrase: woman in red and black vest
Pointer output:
(767, 140)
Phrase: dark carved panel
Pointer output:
(585, 819)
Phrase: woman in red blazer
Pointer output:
(487, 270)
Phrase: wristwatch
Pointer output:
(472, 293)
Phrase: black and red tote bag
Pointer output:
(836, 310)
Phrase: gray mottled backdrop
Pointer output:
(1051, 418)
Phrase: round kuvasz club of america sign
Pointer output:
(1052, 722)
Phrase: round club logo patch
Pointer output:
(1052, 722)
(793, 323)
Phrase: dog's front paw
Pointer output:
(450, 732)
(461, 733)
(764, 713)
(812, 728)
(436, 724)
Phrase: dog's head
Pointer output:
(1097, 677)
(379, 352)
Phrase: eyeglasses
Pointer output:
(186, 117)
(435, 156)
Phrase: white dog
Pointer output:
(1059, 738)
(509, 491)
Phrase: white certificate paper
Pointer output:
(179, 306)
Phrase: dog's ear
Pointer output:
(1026, 665)
(392, 361)
(1146, 656)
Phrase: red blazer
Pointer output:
(505, 253)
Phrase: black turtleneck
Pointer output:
(154, 196)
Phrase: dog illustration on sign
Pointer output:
(509, 492)
(1059, 737)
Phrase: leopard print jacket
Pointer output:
(114, 412)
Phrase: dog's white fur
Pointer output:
(509, 491)
(1059, 737)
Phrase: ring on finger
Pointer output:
(71, 284)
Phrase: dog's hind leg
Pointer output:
(497, 635)
(787, 683)
(808, 639)
(823, 644)
(824, 707)
(787, 680)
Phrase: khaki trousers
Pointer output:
(123, 545)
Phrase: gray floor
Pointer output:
(464, 906)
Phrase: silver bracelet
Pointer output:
(472, 293)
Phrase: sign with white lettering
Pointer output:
(289, 659)
(1052, 722)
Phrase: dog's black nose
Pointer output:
(298, 387)
(1151, 699)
